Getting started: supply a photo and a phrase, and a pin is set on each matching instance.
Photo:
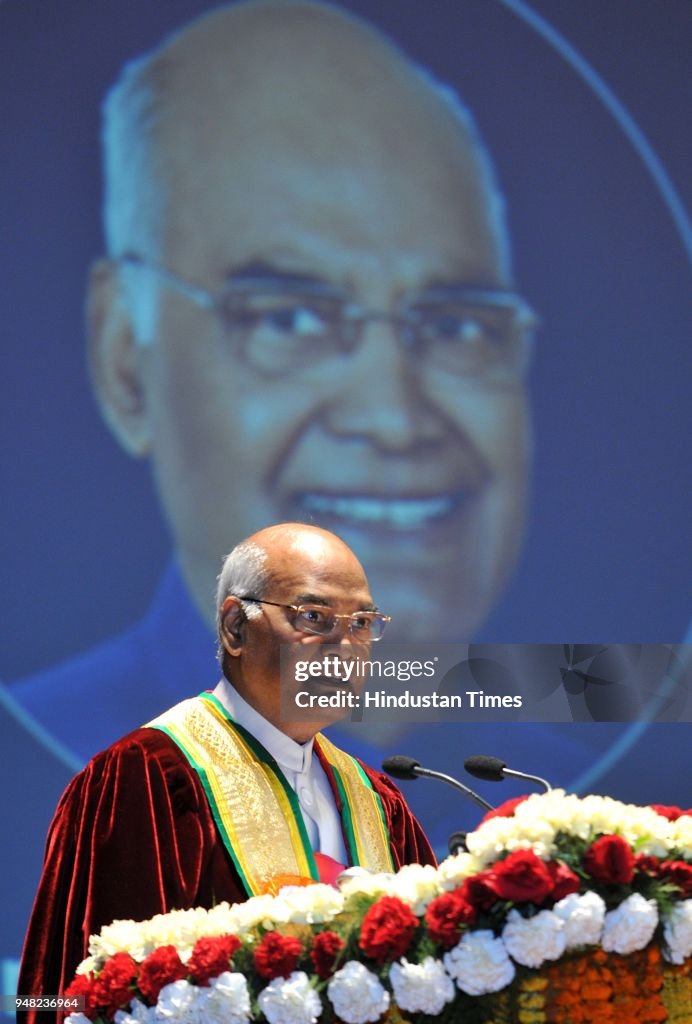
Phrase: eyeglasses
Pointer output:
(324, 621)
(283, 327)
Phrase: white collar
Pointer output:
(289, 754)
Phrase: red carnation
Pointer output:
(82, 987)
(563, 878)
(610, 860)
(480, 890)
(387, 930)
(645, 864)
(522, 877)
(505, 810)
(671, 813)
(324, 953)
(679, 872)
(162, 967)
(113, 987)
(446, 916)
(211, 957)
(277, 955)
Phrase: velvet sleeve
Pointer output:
(132, 837)
(409, 844)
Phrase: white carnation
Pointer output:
(290, 1000)
(307, 904)
(595, 815)
(583, 918)
(454, 870)
(417, 885)
(533, 940)
(137, 1014)
(356, 994)
(88, 966)
(366, 884)
(651, 846)
(121, 937)
(677, 933)
(680, 834)
(535, 833)
(179, 928)
(421, 988)
(490, 839)
(546, 814)
(479, 963)
(555, 805)
(182, 1003)
(221, 920)
(531, 827)
(243, 917)
(644, 828)
(77, 1018)
(639, 826)
(227, 1000)
(631, 926)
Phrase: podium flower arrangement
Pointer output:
(563, 909)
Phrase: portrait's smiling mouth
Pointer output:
(400, 513)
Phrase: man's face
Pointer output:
(316, 570)
(423, 473)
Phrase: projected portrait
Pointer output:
(412, 275)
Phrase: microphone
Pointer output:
(400, 766)
(492, 769)
(457, 843)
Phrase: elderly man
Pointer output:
(223, 795)
(307, 310)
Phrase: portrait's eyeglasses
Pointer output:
(324, 621)
(284, 327)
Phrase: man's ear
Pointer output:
(114, 361)
(232, 632)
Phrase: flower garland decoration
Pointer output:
(562, 909)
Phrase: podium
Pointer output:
(562, 910)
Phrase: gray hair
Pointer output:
(244, 571)
(134, 187)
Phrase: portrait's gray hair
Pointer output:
(134, 183)
(244, 571)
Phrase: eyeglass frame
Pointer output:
(351, 616)
(350, 313)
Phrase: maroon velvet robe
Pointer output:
(133, 836)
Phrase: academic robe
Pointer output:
(134, 836)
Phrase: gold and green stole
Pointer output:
(255, 809)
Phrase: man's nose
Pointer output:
(380, 395)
